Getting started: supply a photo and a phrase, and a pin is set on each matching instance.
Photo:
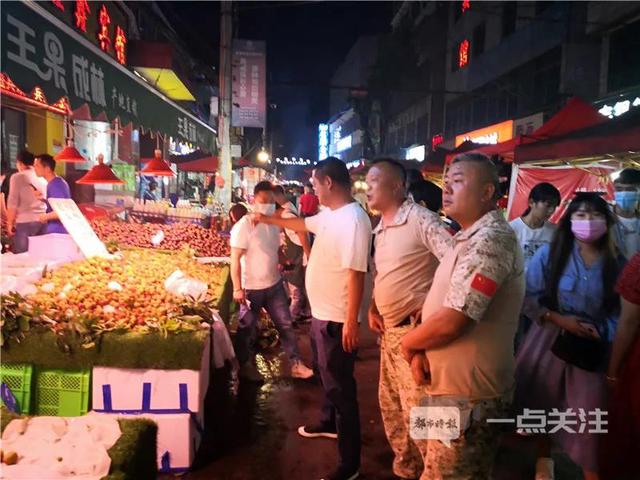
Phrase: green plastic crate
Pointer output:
(18, 379)
(62, 393)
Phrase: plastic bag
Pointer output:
(183, 286)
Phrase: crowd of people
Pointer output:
(25, 209)
(494, 318)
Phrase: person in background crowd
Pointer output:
(236, 196)
(627, 209)
(24, 207)
(296, 252)
(150, 195)
(335, 282)
(257, 284)
(409, 240)
(57, 187)
(308, 202)
(533, 230)
(426, 194)
(413, 176)
(572, 302)
(621, 448)
(236, 212)
(468, 321)
(5, 181)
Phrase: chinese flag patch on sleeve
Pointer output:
(484, 285)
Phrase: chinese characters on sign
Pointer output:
(82, 10)
(103, 33)
(120, 46)
(187, 129)
(463, 54)
(323, 141)
(123, 102)
(249, 84)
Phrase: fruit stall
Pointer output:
(125, 339)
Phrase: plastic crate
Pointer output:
(18, 378)
(62, 393)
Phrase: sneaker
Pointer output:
(317, 431)
(300, 370)
(544, 469)
(342, 474)
(250, 372)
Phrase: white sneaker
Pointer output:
(300, 370)
(250, 372)
(544, 469)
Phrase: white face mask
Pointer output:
(265, 208)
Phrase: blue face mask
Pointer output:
(627, 201)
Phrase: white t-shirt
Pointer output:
(342, 243)
(289, 210)
(531, 239)
(629, 235)
(259, 264)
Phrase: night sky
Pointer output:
(306, 42)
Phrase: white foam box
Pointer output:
(54, 246)
(127, 386)
(177, 434)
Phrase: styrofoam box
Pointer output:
(126, 386)
(177, 434)
(57, 246)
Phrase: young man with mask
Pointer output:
(257, 284)
(627, 210)
(409, 241)
(469, 319)
(24, 207)
(296, 250)
(335, 282)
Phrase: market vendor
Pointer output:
(150, 194)
(57, 187)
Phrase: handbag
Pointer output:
(585, 353)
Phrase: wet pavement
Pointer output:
(253, 435)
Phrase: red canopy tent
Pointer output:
(575, 115)
(201, 165)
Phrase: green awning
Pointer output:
(38, 50)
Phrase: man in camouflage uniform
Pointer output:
(468, 322)
(409, 240)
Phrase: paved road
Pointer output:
(253, 435)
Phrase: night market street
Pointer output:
(257, 436)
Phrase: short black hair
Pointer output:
(26, 158)
(545, 192)
(489, 169)
(152, 184)
(428, 193)
(278, 190)
(335, 169)
(414, 175)
(397, 167)
(263, 186)
(47, 161)
(629, 176)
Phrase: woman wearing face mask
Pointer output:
(571, 298)
(627, 196)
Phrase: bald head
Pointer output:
(485, 168)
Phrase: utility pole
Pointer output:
(224, 119)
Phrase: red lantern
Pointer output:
(100, 174)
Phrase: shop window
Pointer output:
(624, 68)
(509, 16)
(13, 135)
(478, 40)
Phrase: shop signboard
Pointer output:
(500, 132)
(249, 84)
(527, 125)
(78, 227)
(39, 51)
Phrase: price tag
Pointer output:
(78, 227)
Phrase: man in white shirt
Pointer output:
(335, 282)
(295, 251)
(627, 209)
(257, 284)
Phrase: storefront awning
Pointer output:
(197, 161)
(40, 51)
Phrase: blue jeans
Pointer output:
(340, 405)
(20, 240)
(274, 301)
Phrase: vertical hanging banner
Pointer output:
(249, 84)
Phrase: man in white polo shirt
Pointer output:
(257, 284)
(335, 282)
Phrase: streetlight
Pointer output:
(263, 156)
